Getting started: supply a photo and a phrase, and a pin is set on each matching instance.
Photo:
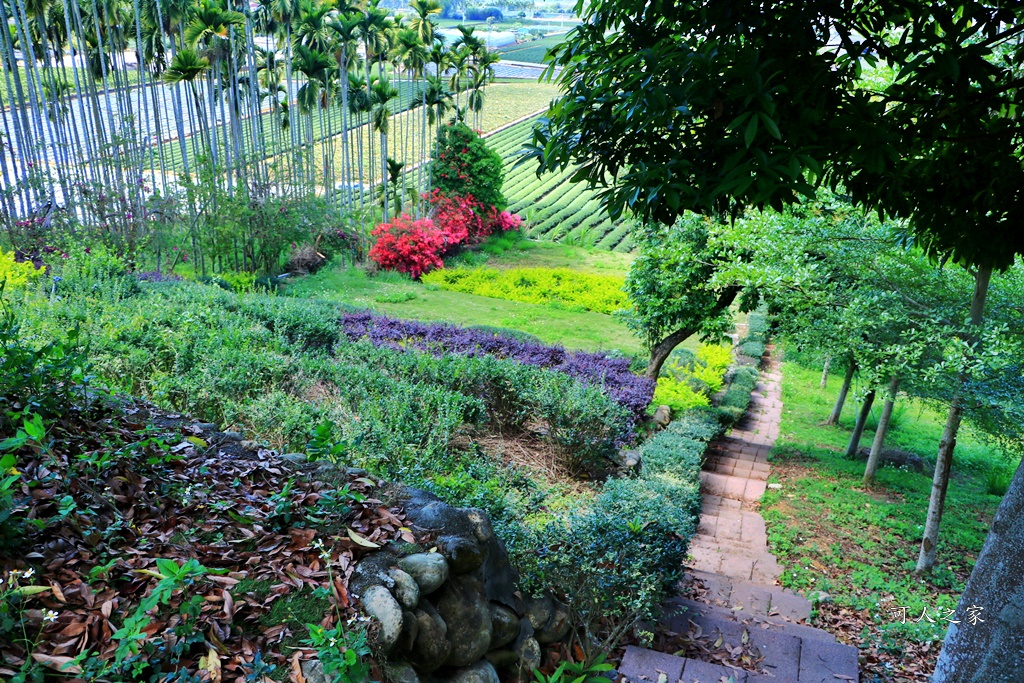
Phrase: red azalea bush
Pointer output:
(408, 246)
(504, 221)
(458, 218)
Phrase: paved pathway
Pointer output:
(736, 575)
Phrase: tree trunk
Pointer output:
(664, 348)
(987, 644)
(837, 410)
(858, 427)
(824, 373)
(944, 459)
(883, 428)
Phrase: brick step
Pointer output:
(736, 466)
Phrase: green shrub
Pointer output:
(736, 398)
(678, 395)
(613, 562)
(462, 164)
(753, 349)
(15, 273)
(998, 479)
(599, 293)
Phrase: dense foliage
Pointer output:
(463, 164)
(560, 286)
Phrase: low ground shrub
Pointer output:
(753, 345)
(610, 373)
(736, 398)
(599, 293)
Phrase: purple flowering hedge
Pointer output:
(630, 390)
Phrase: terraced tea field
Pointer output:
(555, 208)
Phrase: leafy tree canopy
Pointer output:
(715, 106)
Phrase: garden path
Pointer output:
(732, 576)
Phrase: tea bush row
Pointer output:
(283, 366)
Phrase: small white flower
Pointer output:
(50, 616)
(29, 573)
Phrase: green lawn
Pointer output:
(396, 295)
(859, 545)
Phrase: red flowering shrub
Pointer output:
(458, 218)
(408, 246)
(503, 221)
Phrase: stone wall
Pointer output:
(453, 612)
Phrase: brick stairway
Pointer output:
(739, 598)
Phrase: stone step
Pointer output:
(754, 599)
(640, 665)
(737, 488)
(732, 548)
(736, 466)
(748, 566)
(781, 651)
(678, 608)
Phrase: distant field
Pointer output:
(554, 208)
(532, 52)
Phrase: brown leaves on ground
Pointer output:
(159, 487)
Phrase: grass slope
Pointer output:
(861, 545)
(397, 295)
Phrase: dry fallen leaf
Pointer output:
(62, 664)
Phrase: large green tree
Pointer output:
(718, 106)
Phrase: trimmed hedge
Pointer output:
(753, 344)
(736, 398)
(624, 552)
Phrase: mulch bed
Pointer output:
(112, 493)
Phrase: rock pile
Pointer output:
(454, 612)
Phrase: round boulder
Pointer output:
(432, 646)
(406, 590)
(464, 554)
(528, 656)
(465, 610)
(538, 610)
(402, 672)
(557, 626)
(481, 672)
(382, 606)
(504, 625)
(429, 570)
